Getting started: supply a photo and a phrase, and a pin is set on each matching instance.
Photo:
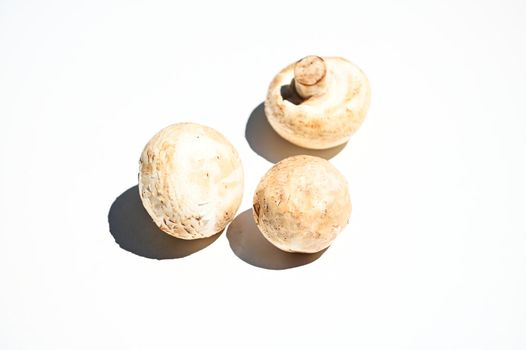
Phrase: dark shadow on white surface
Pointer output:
(135, 231)
(249, 245)
(263, 140)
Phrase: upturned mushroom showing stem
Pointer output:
(318, 102)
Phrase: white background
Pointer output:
(434, 256)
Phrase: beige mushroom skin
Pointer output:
(317, 102)
(301, 204)
(190, 180)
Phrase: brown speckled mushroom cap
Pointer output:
(190, 180)
(301, 204)
(318, 102)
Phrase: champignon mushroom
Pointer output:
(301, 204)
(190, 180)
(318, 102)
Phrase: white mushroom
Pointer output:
(190, 180)
(318, 102)
(301, 204)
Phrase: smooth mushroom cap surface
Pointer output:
(190, 180)
(301, 204)
(317, 102)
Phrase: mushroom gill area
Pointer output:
(338, 93)
(288, 93)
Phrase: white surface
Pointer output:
(434, 256)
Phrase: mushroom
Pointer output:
(301, 204)
(190, 180)
(317, 102)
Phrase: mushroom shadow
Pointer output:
(249, 245)
(134, 230)
(263, 140)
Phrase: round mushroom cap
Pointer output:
(317, 102)
(190, 180)
(301, 204)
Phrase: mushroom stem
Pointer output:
(310, 76)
